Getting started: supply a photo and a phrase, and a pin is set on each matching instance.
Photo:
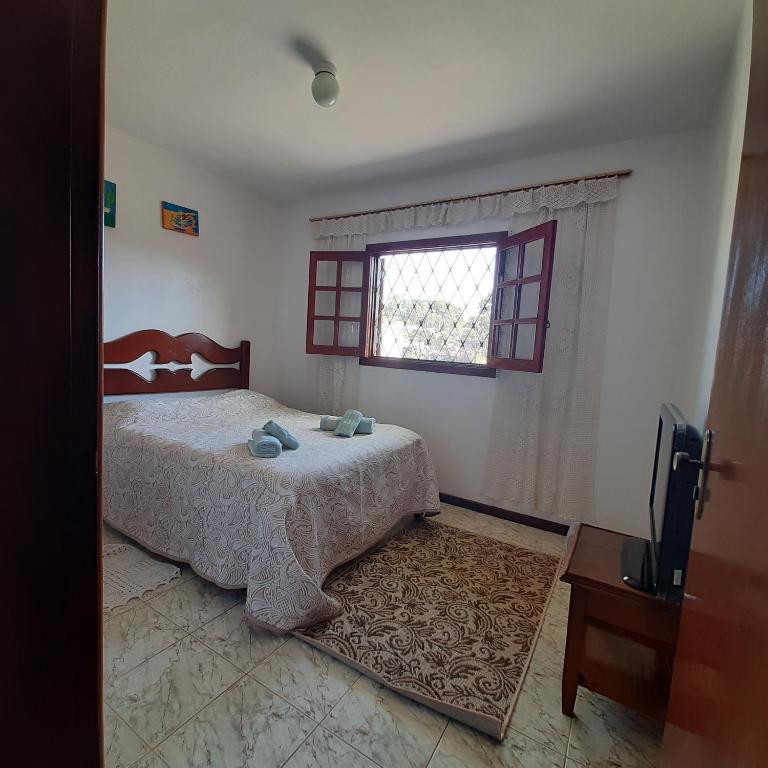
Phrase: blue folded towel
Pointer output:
(282, 434)
(264, 446)
(365, 427)
(348, 424)
(329, 423)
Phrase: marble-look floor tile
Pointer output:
(459, 518)
(108, 613)
(163, 692)
(551, 543)
(537, 713)
(133, 636)
(605, 735)
(463, 747)
(323, 750)
(195, 602)
(559, 602)
(152, 760)
(238, 640)
(493, 527)
(511, 533)
(122, 747)
(185, 574)
(393, 731)
(248, 726)
(550, 646)
(307, 677)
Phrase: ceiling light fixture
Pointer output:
(325, 86)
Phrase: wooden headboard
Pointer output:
(173, 349)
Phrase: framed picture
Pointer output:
(180, 219)
(110, 203)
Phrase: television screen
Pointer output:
(659, 565)
(671, 503)
(662, 467)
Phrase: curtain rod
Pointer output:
(621, 174)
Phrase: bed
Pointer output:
(179, 479)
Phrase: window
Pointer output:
(467, 304)
(337, 306)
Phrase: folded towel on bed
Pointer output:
(282, 434)
(264, 446)
(365, 427)
(329, 423)
(348, 424)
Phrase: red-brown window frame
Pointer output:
(427, 244)
(546, 232)
(339, 257)
(370, 300)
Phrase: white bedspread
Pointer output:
(179, 479)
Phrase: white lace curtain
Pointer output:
(543, 438)
(338, 376)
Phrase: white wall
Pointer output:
(219, 283)
(727, 141)
(654, 347)
(246, 277)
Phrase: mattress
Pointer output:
(179, 479)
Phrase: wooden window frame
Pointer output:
(546, 232)
(376, 250)
(370, 300)
(339, 258)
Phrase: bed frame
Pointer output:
(173, 349)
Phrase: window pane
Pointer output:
(323, 333)
(502, 340)
(534, 253)
(350, 304)
(352, 274)
(507, 303)
(326, 273)
(526, 339)
(529, 299)
(435, 305)
(349, 334)
(509, 263)
(325, 302)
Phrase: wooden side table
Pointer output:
(621, 641)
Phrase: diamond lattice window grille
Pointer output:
(435, 305)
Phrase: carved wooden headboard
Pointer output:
(173, 349)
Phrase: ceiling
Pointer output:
(426, 85)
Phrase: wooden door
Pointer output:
(51, 57)
(718, 713)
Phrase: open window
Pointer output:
(337, 308)
(468, 304)
(521, 299)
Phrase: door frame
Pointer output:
(53, 136)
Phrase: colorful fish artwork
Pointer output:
(180, 219)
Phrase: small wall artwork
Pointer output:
(180, 219)
(110, 203)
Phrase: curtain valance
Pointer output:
(499, 206)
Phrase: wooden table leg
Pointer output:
(574, 649)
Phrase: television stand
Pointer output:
(621, 641)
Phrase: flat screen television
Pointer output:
(659, 564)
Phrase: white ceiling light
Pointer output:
(325, 86)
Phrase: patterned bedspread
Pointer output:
(179, 479)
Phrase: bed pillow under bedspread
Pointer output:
(179, 479)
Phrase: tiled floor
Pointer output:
(189, 683)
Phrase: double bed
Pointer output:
(179, 479)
